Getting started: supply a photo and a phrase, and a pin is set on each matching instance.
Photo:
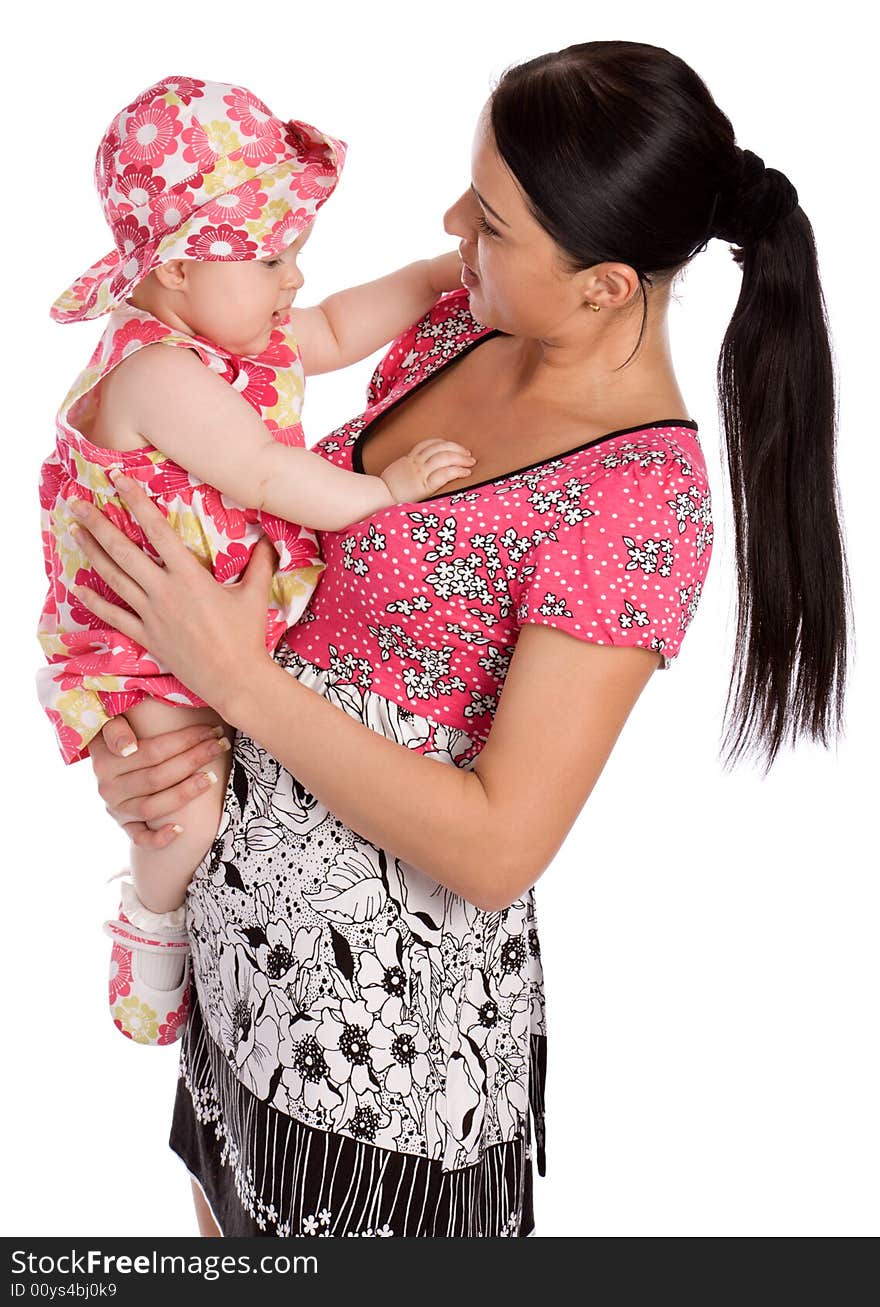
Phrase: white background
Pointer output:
(710, 940)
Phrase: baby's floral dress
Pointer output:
(94, 672)
(366, 1052)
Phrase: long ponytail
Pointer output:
(777, 403)
(624, 156)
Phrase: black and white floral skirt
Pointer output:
(266, 1174)
(366, 1052)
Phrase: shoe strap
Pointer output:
(134, 938)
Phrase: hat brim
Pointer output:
(253, 220)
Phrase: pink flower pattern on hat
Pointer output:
(139, 185)
(244, 202)
(168, 211)
(151, 133)
(251, 113)
(199, 170)
(199, 150)
(293, 220)
(219, 243)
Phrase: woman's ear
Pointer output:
(610, 285)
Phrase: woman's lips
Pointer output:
(468, 277)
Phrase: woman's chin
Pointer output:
(479, 311)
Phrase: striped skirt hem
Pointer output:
(266, 1174)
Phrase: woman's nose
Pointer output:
(455, 219)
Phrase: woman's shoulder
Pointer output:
(661, 456)
(663, 448)
(651, 482)
(446, 329)
(618, 539)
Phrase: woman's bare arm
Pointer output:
(489, 833)
(486, 834)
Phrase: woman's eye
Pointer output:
(485, 227)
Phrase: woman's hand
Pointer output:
(211, 636)
(144, 780)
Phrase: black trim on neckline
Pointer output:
(357, 460)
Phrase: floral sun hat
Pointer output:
(199, 170)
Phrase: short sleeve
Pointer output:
(448, 318)
(626, 562)
(389, 367)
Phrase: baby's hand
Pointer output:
(445, 272)
(427, 466)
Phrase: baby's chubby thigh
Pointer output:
(162, 875)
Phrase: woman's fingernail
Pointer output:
(128, 750)
(178, 830)
(219, 730)
(117, 476)
(222, 746)
(78, 508)
(205, 779)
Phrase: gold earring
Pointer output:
(594, 306)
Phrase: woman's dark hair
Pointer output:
(623, 156)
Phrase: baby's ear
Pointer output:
(171, 275)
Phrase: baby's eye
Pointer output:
(272, 263)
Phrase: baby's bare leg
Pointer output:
(162, 875)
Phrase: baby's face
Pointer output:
(237, 305)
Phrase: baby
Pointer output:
(210, 199)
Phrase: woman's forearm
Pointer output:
(433, 815)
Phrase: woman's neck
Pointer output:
(580, 371)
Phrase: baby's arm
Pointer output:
(197, 419)
(162, 875)
(353, 323)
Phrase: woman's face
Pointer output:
(514, 270)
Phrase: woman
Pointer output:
(366, 1049)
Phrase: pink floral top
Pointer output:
(422, 603)
(94, 672)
